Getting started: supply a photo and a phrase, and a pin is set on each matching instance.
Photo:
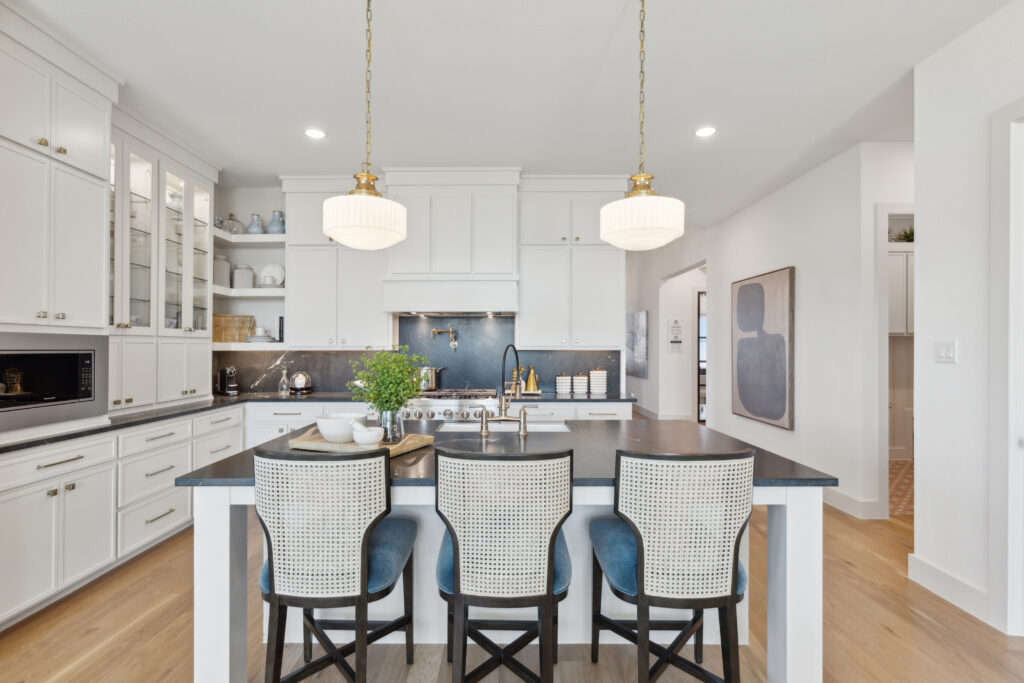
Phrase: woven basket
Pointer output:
(232, 328)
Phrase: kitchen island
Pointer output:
(792, 493)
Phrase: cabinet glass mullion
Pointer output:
(140, 241)
(200, 259)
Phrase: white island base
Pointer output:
(794, 581)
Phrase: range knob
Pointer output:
(418, 414)
(448, 413)
(430, 414)
(491, 413)
(476, 413)
(464, 413)
(406, 413)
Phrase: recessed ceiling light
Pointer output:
(705, 132)
(315, 133)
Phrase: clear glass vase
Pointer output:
(391, 421)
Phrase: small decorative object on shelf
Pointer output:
(221, 270)
(244, 277)
(255, 226)
(284, 385)
(233, 226)
(387, 380)
(276, 224)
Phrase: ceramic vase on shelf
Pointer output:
(255, 226)
(276, 224)
(391, 421)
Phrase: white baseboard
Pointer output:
(861, 509)
(966, 596)
(649, 414)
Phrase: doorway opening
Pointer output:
(681, 336)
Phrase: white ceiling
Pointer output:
(549, 86)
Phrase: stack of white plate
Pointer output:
(598, 381)
(563, 384)
(579, 384)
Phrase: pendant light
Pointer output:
(642, 220)
(363, 219)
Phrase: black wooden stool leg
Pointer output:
(596, 578)
(450, 622)
(730, 643)
(547, 640)
(643, 640)
(275, 641)
(407, 594)
(361, 639)
(307, 638)
(554, 634)
(459, 629)
(698, 643)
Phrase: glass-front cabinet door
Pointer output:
(132, 238)
(201, 260)
(174, 306)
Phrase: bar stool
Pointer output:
(674, 543)
(330, 543)
(503, 548)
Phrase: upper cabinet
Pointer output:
(461, 224)
(46, 110)
(185, 254)
(901, 288)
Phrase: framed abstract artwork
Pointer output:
(762, 347)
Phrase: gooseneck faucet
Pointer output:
(516, 391)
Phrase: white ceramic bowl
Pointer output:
(371, 436)
(337, 427)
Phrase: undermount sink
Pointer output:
(504, 427)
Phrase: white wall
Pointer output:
(245, 201)
(823, 224)
(677, 388)
(958, 551)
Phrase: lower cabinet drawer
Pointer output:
(604, 411)
(151, 473)
(147, 521)
(156, 436)
(216, 447)
(545, 412)
(48, 461)
(217, 421)
(288, 411)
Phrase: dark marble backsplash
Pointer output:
(475, 363)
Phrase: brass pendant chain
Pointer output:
(643, 143)
(369, 38)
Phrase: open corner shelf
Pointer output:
(221, 292)
(222, 239)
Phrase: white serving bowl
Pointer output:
(371, 436)
(337, 427)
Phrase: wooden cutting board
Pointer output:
(313, 440)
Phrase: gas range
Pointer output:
(452, 404)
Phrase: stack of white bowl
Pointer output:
(579, 384)
(563, 384)
(598, 381)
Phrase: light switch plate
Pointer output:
(946, 352)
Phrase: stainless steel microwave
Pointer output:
(51, 378)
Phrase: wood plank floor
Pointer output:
(135, 624)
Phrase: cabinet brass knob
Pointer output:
(52, 492)
(41, 314)
(69, 487)
(563, 239)
(280, 430)
(563, 341)
(61, 316)
(577, 239)
(330, 341)
(129, 400)
(61, 150)
(344, 341)
(43, 142)
(117, 401)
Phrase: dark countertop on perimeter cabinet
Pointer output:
(594, 444)
(123, 421)
(552, 397)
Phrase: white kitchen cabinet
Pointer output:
(311, 297)
(172, 381)
(412, 255)
(544, 218)
(598, 292)
(186, 256)
(545, 290)
(28, 529)
(132, 376)
(361, 320)
(901, 292)
(256, 434)
(199, 369)
(25, 106)
(87, 522)
(24, 234)
(79, 217)
(586, 216)
(451, 232)
(115, 396)
(305, 212)
(81, 126)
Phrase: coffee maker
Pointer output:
(227, 381)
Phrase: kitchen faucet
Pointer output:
(506, 402)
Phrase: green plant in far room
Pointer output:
(387, 380)
(905, 235)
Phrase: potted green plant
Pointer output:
(387, 380)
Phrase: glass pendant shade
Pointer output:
(364, 219)
(642, 220)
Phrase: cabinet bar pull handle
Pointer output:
(276, 413)
(534, 407)
(43, 142)
(162, 436)
(166, 469)
(59, 462)
(191, 391)
(61, 150)
(52, 492)
(69, 487)
(129, 400)
(117, 401)
(41, 314)
(223, 419)
(593, 413)
(222, 448)
(61, 316)
(150, 521)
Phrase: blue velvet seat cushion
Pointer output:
(446, 564)
(388, 547)
(615, 547)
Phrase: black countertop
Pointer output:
(594, 443)
(552, 397)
